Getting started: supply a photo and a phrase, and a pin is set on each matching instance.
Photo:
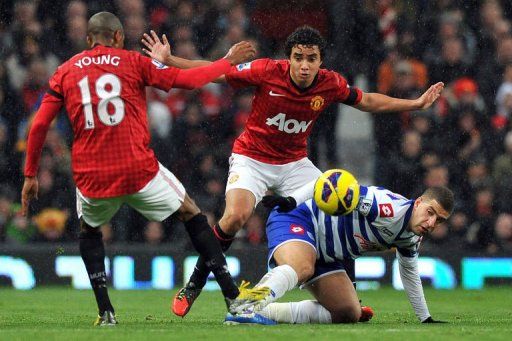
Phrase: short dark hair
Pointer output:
(305, 35)
(443, 195)
(104, 24)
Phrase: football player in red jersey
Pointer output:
(271, 153)
(103, 91)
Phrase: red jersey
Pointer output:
(282, 114)
(103, 90)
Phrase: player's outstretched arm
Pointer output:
(375, 102)
(50, 107)
(199, 76)
(408, 267)
(161, 50)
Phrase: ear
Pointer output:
(418, 201)
(89, 41)
(119, 38)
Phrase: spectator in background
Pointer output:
(18, 229)
(233, 34)
(323, 139)
(388, 128)
(134, 27)
(189, 131)
(160, 124)
(451, 63)
(127, 8)
(502, 176)
(504, 94)
(35, 84)
(154, 233)
(458, 225)
(240, 112)
(481, 231)
(5, 157)
(76, 9)
(404, 167)
(439, 237)
(463, 95)
(451, 26)
(475, 179)
(51, 225)
(437, 175)
(503, 232)
(491, 17)
(29, 51)
(73, 41)
(424, 123)
(6, 202)
(490, 72)
(386, 74)
(25, 19)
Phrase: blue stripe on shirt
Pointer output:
(407, 217)
(329, 239)
(362, 226)
(349, 233)
(378, 236)
(374, 212)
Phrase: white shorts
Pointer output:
(160, 198)
(259, 177)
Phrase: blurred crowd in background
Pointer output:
(399, 47)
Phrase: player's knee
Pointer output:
(88, 229)
(232, 221)
(350, 314)
(188, 209)
(304, 272)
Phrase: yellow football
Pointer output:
(336, 192)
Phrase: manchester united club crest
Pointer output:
(317, 103)
(233, 178)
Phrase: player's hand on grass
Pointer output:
(283, 204)
(240, 52)
(431, 320)
(157, 49)
(29, 192)
(430, 96)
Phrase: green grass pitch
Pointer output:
(67, 314)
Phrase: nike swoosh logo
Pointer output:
(272, 93)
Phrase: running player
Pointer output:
(103, 91)
(271, 153)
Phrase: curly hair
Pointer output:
(305, 35)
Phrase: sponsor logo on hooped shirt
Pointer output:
(297, 229)
(386, 210)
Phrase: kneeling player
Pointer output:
(307, 246)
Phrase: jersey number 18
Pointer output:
(108, 89)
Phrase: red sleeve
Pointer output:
(155, 73)
(248, 74)
(199, 76)
(49, 108)
(347, 94)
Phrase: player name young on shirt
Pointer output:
(98, 60)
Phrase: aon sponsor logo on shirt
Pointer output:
(291, 126)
